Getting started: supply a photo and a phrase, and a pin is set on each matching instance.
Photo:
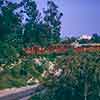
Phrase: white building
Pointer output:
(85, 36)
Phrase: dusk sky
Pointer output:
(79, 16)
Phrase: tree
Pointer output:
(95, 38)
(31, 29)
(68, 40)
(9, 22)
(52, 19)
(8, 54)
(10, 29)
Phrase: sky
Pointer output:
(79, 16)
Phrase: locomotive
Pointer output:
(87, 47)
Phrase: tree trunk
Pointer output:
(85, 90)
(98, 93)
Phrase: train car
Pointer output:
(34, 50)
(62, 48)
(58, 48)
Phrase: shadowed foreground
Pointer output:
(19, 93)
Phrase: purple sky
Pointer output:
(80, 16)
